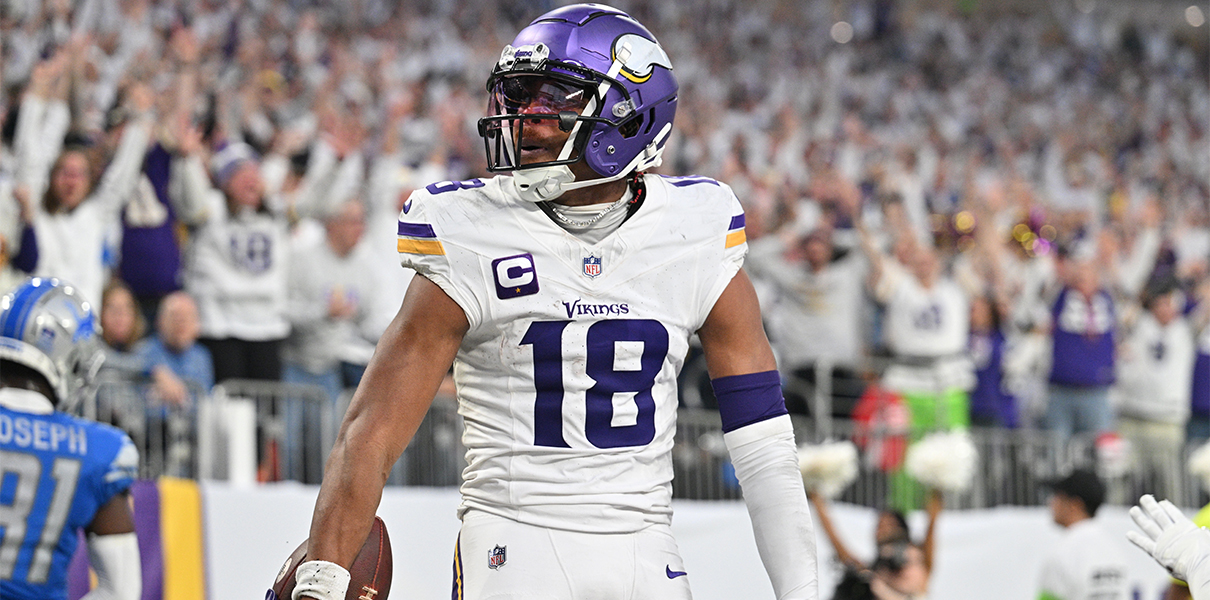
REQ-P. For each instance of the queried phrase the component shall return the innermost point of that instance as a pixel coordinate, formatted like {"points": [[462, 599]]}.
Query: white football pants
{"points": [[501, 559]]}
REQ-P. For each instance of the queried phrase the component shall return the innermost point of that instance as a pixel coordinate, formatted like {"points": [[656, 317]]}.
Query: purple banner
{"points": [[147, 528]]}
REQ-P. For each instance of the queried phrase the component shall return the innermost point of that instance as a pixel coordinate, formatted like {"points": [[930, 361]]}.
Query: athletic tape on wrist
{"points": [[749, 398], [321, 580]]}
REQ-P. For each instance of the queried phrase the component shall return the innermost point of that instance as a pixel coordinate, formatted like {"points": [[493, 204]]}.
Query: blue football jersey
{"points": [[56, 471]]}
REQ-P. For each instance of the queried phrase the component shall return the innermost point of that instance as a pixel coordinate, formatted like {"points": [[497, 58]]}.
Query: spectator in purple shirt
{"points": [[1083, 328], [151, 251], [151, 255], [991, 406]]}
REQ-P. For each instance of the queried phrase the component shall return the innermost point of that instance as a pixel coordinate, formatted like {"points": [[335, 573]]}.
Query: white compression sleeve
{"points": [[766, 464], [115, 558], [1199, 581]]}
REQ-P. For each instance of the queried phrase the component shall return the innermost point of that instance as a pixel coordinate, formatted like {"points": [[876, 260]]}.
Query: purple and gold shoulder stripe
{"points": [[419, 238], [735, 233]]}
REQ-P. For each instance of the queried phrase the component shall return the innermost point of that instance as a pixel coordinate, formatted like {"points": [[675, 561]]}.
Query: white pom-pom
{"points": [[943, 461], [828, 468], [1199, 464]]}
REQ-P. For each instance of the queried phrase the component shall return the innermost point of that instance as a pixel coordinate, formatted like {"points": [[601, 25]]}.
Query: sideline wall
{"points": [[982, 555]]}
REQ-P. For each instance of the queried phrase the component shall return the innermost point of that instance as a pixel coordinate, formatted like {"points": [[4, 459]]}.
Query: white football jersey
{"points": [[927, 322], [567, 376]]}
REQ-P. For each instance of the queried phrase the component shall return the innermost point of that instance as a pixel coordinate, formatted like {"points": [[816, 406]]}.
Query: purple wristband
{"points": [[749, 398]]}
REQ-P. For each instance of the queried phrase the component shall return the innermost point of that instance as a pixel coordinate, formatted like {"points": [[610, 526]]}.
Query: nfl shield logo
{"points": [[496, 557], [592, 266]]}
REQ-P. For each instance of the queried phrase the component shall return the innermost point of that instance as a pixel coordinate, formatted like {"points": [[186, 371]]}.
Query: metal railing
{"points": [[1013, 467], [286, 431], [435, 457], [247, 430], [267, 431], [165, 435]]}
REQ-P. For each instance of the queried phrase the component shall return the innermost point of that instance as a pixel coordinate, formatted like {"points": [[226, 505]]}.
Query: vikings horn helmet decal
{"points": [[602, 76]]}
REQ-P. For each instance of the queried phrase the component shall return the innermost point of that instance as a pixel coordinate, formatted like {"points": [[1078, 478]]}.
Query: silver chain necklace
{"points": [[570, 222]]}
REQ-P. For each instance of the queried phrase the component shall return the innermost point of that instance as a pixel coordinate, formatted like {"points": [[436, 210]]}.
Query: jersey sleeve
{"points": [[734, 243], [424, 249], [121, 472]]}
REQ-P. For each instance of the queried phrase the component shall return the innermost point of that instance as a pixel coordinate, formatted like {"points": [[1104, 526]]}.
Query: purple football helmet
{"points": [[597, 72]]}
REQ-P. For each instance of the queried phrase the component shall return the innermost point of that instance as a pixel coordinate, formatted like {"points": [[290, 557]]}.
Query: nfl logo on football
{"points": [[592, 266], [496, 557]]}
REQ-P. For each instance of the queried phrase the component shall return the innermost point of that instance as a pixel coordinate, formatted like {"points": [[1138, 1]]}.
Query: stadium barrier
{"points": [[266, 431], [255, 431], [165, 435], [1014, 465], [247, 431], [215, 540]]}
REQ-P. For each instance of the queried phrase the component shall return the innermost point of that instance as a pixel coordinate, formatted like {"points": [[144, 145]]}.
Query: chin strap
{"points": [[542, 184], [548, 183]]}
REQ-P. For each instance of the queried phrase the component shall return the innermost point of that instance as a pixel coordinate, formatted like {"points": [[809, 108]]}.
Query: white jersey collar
{"points": [[615, 247], [26, 401]]}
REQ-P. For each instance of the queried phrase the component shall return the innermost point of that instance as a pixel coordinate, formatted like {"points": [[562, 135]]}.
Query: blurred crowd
{"points": [[996, 215]]}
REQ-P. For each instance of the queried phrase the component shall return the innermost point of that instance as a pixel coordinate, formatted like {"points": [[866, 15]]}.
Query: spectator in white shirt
{"points": [[236, 263], [926, 328], [814, 308], [1155, 386], [330, 286], [73, 219]]}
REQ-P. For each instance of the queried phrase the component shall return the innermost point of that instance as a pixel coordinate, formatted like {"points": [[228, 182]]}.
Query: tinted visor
{"points": [[538, 94], [519, 102]]}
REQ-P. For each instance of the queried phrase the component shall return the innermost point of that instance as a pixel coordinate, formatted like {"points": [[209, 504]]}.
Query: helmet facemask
{"points": [[518, 99]]}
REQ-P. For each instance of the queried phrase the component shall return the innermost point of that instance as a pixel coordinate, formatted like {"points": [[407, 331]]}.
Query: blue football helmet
{"points": [[602, 77], [47, 326]]}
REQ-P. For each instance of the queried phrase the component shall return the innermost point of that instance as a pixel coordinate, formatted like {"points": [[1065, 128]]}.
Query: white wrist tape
{"points": [[321, 580]]}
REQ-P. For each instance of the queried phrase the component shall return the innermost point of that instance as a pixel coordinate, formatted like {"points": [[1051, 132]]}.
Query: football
{"points": [[369, 575]]}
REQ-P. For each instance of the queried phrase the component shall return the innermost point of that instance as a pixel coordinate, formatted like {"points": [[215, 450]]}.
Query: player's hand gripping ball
{"points": [[369, 575]]}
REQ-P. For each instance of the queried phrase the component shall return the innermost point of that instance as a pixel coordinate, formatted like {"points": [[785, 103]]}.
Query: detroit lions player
{"points": [[565, 296], [58, 473]]}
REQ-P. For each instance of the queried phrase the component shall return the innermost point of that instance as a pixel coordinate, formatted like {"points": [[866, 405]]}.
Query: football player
{"points": [[59, 473], [565, 295]]}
